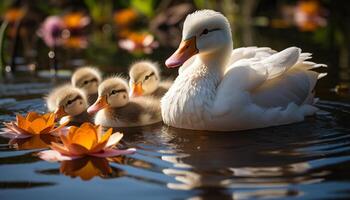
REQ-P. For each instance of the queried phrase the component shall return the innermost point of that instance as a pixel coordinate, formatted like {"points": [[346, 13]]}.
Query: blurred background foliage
{"points": [[64, 34]]}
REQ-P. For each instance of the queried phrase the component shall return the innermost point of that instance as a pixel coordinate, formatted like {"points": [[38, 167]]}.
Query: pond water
{"points": [[305, 160]]}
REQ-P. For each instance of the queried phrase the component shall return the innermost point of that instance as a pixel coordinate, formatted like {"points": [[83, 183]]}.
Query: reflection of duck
{"points": [[87, 79], [145, 80], [68, 101], [252, 93], [115, 109], [201, 159], [86, 168]]}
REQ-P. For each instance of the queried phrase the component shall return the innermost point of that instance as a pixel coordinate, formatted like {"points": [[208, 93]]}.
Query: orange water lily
{"points": [[125, 17], [138, 42], [14, 14], [33, 124], [76, 20], [86, 140]]}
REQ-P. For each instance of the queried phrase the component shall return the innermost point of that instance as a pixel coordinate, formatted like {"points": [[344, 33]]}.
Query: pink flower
{"points": [[50, 30]]}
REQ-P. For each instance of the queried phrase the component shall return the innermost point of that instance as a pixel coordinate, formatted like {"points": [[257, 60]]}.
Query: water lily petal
{"points": [[113, 152], [71, 132], [50, 120], [21, 121], [60, 127], [16, 129], [114, 139], [32, 116], [99, 147], [46, 130], [58, 147], [85, 137], [8, 133], [65, 140], [37, 125], [77, 149], [106, 135], [54, 156]]}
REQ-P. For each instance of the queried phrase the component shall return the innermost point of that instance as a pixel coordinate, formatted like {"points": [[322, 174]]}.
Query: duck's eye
{"points": [[205, 31], [69, 102], [85, 82]]}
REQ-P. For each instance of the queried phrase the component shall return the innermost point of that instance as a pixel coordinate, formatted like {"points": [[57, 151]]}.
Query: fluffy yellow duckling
{"points": [[115, 109], [68, 102], [145, 80], [87, 79]]}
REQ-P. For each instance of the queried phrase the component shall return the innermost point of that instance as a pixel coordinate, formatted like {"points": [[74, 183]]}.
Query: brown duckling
{"points": [[70, 103], [115, 109], [145, 80], [87, 79]]}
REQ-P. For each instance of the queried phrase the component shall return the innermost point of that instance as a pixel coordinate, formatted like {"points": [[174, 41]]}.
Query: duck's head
{"points": [[67, 100], [112, 92], [87, 79], [205, 32], [144, 78]]}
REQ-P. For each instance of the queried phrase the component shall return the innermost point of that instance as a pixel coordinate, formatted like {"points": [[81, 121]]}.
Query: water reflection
{"points": [[256, 160], [34, 142], [87, 168]]}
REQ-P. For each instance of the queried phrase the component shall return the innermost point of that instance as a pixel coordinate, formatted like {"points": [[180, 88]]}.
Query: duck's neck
{"points": [[216, 61]]}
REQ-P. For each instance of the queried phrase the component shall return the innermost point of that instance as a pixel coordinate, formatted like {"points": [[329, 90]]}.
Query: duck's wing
{"points": [[250, 52], [274, 81]]}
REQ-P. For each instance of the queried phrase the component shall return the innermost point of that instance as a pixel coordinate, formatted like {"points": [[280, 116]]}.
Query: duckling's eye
{"points": [[149, 76], [114, 92], [69, 102], [205, 31], [85, 82]]}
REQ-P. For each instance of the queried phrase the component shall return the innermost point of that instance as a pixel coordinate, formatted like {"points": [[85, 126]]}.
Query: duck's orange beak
{"points": [[100, 104], [185, 51], [136, 89], [59, 112]]}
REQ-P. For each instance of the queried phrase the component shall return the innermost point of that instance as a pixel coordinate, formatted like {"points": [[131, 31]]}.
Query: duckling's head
{"points": [[204, 32], [112, 92], [144, 78], [87, 79], [67, 100]]}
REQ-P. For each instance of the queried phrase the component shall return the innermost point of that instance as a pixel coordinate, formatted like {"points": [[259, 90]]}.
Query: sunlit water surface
{"points": [[310, 159]]}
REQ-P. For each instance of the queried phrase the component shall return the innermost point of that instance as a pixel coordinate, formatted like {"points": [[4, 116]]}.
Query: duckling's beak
{"points": [[100, 104], [136, 89], [185, 51], [59, 112]]}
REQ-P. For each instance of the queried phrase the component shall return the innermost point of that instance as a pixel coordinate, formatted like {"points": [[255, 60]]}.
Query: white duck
{"points": [[145, 80], [216, 91]]}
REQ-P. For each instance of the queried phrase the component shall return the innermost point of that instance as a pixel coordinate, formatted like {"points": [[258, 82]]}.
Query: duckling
{"points": [[115, 109], [87, 79], [68, 102], [145, 80]]}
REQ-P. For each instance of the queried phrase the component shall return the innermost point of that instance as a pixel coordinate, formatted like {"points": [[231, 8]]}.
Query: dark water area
{"points": [[308, 160]]}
